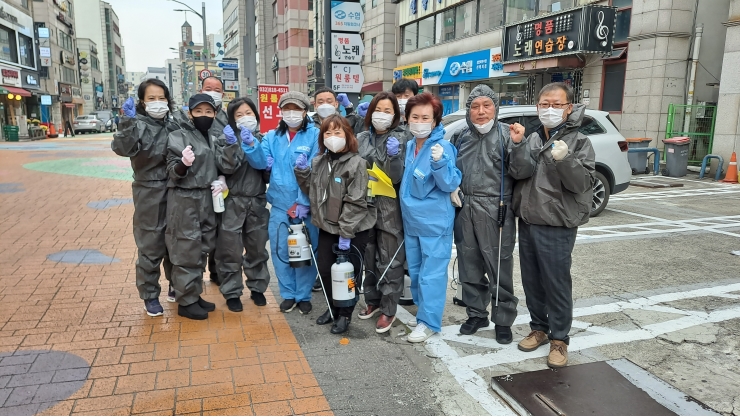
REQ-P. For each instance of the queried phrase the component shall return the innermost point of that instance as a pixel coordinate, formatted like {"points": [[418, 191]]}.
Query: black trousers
{"points": [[545, 259], [325, 258]]}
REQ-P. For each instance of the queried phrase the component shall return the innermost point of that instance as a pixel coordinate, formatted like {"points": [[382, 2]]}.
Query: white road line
{"points": [[653, 195], [659, 227]]}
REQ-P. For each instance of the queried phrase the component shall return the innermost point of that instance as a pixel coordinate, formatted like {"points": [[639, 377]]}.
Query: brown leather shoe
{"points": [[384, 323], [558, 356], [535, 339], [368, 312]]}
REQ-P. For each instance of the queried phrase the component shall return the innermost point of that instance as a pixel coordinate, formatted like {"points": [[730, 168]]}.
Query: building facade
{"points": [[90, 74], [174, 80], [379, 35]]}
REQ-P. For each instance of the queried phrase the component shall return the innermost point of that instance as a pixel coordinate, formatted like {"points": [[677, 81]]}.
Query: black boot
{"points": [[341, 325], [192, 311], [503, 335], [326, 318], [234, 304], [473, 324], [205, 305], [258, 298]]}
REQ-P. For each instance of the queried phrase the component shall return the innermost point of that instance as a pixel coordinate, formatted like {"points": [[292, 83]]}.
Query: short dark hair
{"points": [[324, 90], [374, 104], [424, 99], [214, 78], [234, 106], [336, 120], [141, 92], [557, 86], [400, 86]]}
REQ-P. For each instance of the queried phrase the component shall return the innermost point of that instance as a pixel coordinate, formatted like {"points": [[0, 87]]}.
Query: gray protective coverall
{"points": [[191, 221], [243, 226], [144, 140], [480, 158], [354, 120], [387, 235]]}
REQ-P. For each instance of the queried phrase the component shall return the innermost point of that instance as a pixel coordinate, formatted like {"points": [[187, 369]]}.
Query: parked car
{"points": [[613, 171], [89, 123], [108, 119]]}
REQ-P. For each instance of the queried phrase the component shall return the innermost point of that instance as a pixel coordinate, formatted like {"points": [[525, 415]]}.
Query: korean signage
{"points": [[11, 76], [412, 72], [479, 65], [346, 16], [269, 97], [347, 47], [231, 85], [65, 92], [229, 75], [589, 29], [228, 65], [347, 78]]}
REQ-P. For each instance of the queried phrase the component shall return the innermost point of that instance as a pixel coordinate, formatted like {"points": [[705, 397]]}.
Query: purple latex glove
{"points": [[270, 161], [129, 108], [391, 146], [230, 135], [362, 109], [247, 137], [344, 100], [301, 162], [302, 211], [344, 243]]}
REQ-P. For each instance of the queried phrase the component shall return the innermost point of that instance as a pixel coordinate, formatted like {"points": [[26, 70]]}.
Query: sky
{"points": [[150, 27]]}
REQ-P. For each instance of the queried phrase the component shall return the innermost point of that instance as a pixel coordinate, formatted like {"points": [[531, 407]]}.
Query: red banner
{"points": [[269, 96]]}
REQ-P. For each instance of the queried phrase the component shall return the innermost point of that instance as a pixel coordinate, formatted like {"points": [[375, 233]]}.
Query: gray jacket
{"points": [[549, 192], [373, 150], [144, 140], [245, 180], [337, 189]]}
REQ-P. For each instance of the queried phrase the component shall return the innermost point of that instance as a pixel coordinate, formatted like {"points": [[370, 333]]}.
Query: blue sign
{"points": [[228, 65], [449, 91], [46, 100], [346, 16], [459, 68], [413, 6]]}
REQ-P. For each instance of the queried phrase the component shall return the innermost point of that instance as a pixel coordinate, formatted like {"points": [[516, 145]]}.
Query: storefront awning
{"points": [[373, 87], [17, 91], [70, 105], [77, 100]]}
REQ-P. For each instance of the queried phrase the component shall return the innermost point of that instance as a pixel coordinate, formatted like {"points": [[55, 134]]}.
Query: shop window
{"points": [[517, 10], [426, 32], [622, 30], [465, 20], [445, 26], [490, 14], [612, 89], [552, 6], [310, 38], [409, 37], [26, 50], [8, 49]]}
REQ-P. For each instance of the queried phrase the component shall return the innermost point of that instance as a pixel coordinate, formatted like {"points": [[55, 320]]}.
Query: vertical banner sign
{"points": [[269, 96], [346, 47]]}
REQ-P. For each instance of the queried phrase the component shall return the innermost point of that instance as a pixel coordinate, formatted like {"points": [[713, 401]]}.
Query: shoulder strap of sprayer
{"points": [[502, 206]]}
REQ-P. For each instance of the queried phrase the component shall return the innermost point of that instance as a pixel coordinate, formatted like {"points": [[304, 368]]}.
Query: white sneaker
{"points": [[412, 322], [420, 333]]}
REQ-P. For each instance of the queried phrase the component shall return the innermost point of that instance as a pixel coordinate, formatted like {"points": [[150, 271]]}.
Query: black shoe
{"points": [[215, 280], [258, 298], [473, 324], [316, 286], [287, 306], [503, 335], [304, 307], [325, 318], [341, 325], [193, 312], [205, 305], [234, 304]]}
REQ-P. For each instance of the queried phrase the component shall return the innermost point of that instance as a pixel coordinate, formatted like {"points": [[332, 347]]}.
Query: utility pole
{"points": [[327, 44], [249, 65], [205, 38]]}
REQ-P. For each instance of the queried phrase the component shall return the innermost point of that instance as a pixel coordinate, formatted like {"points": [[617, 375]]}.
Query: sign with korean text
{"points": [[229, 75], [347, 47], [478, 65], [269, 97], [589, 29], [412, 72], [228, 65], [45, 52], [11, 76], [45, 61], [347, 78], [231, 85], [346, 16]]}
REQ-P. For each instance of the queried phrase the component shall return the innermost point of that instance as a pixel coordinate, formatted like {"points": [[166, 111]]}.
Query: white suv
{"points": [[613, 171]]}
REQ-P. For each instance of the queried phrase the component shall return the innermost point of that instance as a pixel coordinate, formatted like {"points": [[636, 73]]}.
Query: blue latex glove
{"points": [[362, 109], [270, 161], [344, 243], [230, 135], [391, 146], [344, 100], [247, 137], [301, 162], [129, 108], [301, 211]]}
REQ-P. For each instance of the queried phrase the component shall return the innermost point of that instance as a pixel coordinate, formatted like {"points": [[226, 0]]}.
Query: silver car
{"points": [[613, 172], [84, 124]]}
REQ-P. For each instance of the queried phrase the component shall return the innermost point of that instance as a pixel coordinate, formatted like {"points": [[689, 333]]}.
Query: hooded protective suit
{"points": [[243, 224], [354, 120], [144, 140], [387, 235], [191, 221], [484, 162]]}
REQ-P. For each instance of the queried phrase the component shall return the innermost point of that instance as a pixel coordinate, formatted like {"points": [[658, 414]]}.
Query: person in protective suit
{"points": [[336, 184], [483, 159], [296, 135], [243, 225], [326, 103], [193, 163], [142, 137], [380, 145]]}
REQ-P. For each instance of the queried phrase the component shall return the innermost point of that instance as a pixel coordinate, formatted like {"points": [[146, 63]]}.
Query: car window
{"points": [[451, 118], [454, 127], [591, 127], [612, 122]]}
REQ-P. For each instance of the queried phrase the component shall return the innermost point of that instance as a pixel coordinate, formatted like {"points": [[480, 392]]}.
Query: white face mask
{"points": [[484, 128], [382, 121], [326, 110], [335, 143], [420, 130], [293, 118], [402, 105], [157, 109], [216, 96], [551, 117], [247, 122]]}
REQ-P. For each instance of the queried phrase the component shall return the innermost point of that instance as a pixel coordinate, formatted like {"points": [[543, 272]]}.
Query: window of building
{"points": [[426, 32], [552, 6], [373, 49], [374, 4], [65, 41], [310, 4], [68, 75], [612, 89], [490, 14], [94, 62], [517, 10], [231, 19], [25, 47], [624, 17], [286, 39], [275, 42], [445, 26], [310, 38], [8, 51], [409, 37], [465, 19]]}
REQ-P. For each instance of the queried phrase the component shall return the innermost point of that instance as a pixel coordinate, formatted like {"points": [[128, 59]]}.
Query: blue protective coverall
{"points": [[295, 283], [428, 219]]}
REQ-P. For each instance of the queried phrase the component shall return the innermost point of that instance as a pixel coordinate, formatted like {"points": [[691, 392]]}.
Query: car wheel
{"points": [[601, 194]]}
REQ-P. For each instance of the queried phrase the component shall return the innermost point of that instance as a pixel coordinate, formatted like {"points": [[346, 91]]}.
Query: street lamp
{"points": [[202, 15]]}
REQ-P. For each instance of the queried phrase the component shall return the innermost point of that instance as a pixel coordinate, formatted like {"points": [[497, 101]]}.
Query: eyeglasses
{"points": [[547, 105]]}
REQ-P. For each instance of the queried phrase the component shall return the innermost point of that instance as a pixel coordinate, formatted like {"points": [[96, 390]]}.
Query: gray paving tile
{"points": [[4, 394], [21, 396], [30, 352], [14, 369], [37, 378], [4, 381], [65, 375], [56, 391], [21, 410], [54, 361], [17, 360]]}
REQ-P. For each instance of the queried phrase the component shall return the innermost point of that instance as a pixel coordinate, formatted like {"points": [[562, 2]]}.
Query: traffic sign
{"points": [[347, 78], [346, 16], [228, 65], [204, 73], [347, 47]]}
